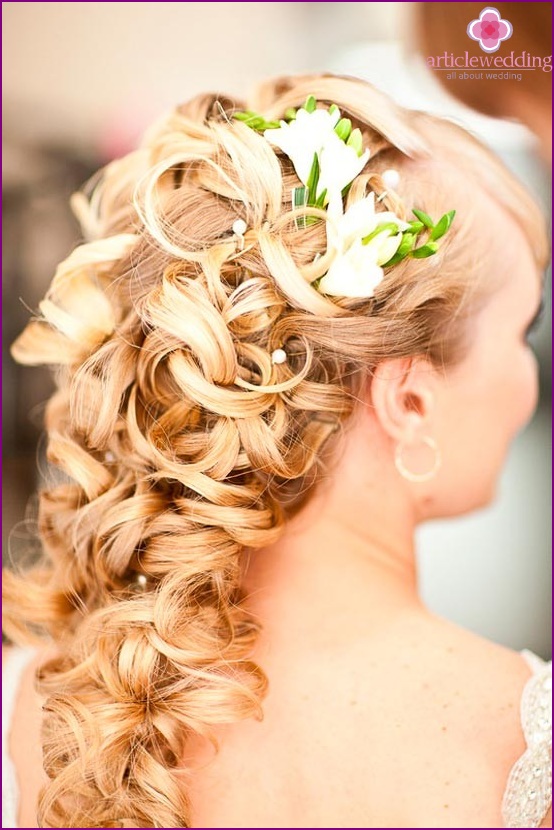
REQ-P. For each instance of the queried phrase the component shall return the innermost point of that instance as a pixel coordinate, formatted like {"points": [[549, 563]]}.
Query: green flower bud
{"points": [[355, 141], [423, 217], [426, 250], [343, 128], [442, 225]]}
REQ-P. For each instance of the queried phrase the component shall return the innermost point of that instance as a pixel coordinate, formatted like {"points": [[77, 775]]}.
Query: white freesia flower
{"points": [[314, 133], [339, 165], [385, 246], [359, 221], [356, 268], [303, 137], [354, 273]]}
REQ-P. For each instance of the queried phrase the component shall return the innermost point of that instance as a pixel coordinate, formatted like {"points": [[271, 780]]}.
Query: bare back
{"points": [[418, 728], [417, 731]]}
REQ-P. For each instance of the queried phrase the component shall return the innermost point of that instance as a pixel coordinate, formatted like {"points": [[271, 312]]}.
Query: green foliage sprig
{"points": [[422, 223]]}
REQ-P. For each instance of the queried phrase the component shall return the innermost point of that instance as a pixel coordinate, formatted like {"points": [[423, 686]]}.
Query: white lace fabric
{"points": [[528, 793]]}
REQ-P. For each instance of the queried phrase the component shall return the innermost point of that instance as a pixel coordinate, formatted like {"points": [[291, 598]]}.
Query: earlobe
{"points": [[402, 396]]}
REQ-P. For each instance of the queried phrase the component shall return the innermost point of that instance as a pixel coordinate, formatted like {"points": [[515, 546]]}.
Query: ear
{"points": [[402, 395]]}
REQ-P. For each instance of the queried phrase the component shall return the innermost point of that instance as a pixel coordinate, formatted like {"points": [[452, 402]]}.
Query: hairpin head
{"points": [[391, 178], [141, 582], [278, 356], [239, 229]]}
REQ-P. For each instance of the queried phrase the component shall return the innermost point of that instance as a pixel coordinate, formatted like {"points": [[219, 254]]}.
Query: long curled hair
{"points": [[179, 443]]}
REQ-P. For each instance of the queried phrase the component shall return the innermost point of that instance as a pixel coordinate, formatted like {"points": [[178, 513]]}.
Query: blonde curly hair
{"points": [[181, 442]]}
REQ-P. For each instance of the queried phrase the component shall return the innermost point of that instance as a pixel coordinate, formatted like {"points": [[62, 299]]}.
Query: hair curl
{"points": [[182, 443]]}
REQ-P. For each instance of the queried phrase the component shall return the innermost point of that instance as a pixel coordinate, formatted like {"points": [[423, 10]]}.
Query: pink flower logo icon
{"points": [[490, 29]]}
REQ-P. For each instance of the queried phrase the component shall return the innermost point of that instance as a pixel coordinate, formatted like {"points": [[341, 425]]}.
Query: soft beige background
{"points": [[80, 82], [71, 66]]}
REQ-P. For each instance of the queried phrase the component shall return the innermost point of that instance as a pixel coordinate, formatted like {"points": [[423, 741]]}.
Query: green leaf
{"points": [[310, 104], [253, 120], [300, 199], [244, 116], [386, 226], [355, 141], [408, 242], [426, 250], [394, 260], [442, 225], [313, 178], [311, 220], [416, 227], [290, 114], [320, 201], [299, 196], [423, 217], [343, 128]]}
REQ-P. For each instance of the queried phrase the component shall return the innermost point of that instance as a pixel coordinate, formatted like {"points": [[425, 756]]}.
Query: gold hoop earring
{"points": [[400, 466]]}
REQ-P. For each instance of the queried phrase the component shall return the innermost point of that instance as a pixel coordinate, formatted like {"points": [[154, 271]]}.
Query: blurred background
{"points": [[82, 80]]}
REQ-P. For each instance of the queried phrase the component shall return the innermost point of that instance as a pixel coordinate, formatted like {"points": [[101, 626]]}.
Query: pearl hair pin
{"points": [[239, 229], [391, 178], [278, 356]]}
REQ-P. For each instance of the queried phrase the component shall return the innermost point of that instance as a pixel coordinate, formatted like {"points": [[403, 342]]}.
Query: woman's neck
{"points": [[348, 558]]}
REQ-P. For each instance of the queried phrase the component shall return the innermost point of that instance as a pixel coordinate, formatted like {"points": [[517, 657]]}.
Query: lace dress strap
{"points": [[14, 666], [528, 793]]}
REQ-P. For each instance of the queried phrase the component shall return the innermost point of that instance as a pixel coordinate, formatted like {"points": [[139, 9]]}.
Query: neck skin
{"points": [[346, 562]]}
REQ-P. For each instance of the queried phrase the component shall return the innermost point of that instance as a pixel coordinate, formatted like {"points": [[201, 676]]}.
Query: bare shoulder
{"points": [[482, 669], [419, 724], [446, 716], [444, 667], [25, 734]]}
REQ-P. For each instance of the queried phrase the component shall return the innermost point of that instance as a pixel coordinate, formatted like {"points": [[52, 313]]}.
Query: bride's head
{"points": [[210, 368]]}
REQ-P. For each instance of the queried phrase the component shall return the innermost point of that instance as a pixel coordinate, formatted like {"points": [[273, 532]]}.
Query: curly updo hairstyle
{"points": [[180, 443]]}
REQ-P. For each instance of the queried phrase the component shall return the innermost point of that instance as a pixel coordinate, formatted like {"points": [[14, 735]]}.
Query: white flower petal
{"points": [[339, 165], [354, 274], [292, 144], [385, 246], [388, 216], [359, 220], [303, 137], [318, 122]]}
